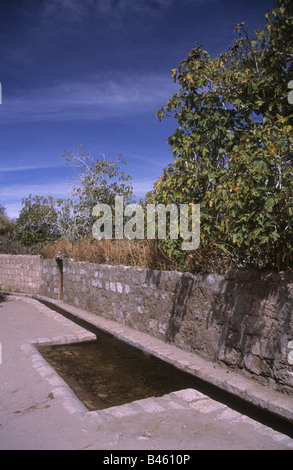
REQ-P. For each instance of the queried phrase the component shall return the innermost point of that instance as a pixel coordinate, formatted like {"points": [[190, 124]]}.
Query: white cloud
{"points": [[23, 190], [93, 99], [74, 8], [11, 196], [141, 187], [78, 10], [8, 169]]}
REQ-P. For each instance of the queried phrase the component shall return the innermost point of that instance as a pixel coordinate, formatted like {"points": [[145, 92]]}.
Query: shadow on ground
{"points": [[3, 298]]}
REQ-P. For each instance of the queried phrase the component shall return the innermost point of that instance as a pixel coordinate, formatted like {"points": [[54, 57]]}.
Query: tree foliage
{"points": [[2, 210], [233, 145], [44, 219], [6, 225], [98, 181], [36, 222]]}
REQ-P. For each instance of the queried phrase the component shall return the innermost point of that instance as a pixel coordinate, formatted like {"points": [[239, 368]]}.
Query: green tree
{"points": [[233, 146], [45, 219], [37, 221], [98, 181], [6, 224]]}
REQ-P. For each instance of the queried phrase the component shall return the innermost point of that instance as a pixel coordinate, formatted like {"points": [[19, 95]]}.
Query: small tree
{"points": [[6, 224], [44, 219], [98, 181], [37, 221]]}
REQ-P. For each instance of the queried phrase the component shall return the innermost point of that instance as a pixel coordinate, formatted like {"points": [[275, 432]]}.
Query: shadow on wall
{"points": [[182, 291], [244, 319], [254, 311]]}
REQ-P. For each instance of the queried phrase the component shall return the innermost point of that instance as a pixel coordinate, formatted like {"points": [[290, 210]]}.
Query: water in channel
{"points": [[109, 372]]}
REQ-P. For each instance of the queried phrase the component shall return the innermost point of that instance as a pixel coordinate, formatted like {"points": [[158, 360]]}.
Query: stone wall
{"points": [[243, 319], [20, 273]]}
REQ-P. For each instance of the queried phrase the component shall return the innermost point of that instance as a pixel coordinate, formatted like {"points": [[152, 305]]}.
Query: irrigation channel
{"points": [[110, 372]]}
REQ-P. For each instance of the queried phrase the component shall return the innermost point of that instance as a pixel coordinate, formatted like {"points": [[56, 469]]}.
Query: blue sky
{"points": [[94, 72]]}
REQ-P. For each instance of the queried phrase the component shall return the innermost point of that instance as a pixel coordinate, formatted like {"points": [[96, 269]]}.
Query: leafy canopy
{"points": [[232, 148]]}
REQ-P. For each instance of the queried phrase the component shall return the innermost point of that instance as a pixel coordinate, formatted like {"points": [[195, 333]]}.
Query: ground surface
{"points": [[39, 411]]}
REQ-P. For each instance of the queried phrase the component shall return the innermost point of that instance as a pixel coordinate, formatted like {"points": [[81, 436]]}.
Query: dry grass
{"points": [[146, 253]]}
